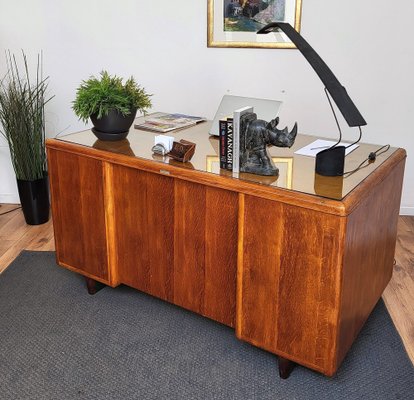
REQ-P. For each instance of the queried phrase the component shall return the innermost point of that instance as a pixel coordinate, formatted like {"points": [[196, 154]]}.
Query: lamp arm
{"points": [[339, 94]]}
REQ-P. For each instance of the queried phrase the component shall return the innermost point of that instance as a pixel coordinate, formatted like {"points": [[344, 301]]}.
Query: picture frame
{"points": [[284, 164], [229, 23], [213, 164]]}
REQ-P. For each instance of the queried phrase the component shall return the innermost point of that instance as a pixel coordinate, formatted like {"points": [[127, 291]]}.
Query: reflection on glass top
{"points": [[296, 172]]}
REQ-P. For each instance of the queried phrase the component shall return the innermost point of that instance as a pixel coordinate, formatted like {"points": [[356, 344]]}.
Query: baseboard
{"points": [[407, 211], [9, 198]]}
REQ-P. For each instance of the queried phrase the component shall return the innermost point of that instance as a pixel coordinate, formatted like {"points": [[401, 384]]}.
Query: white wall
{"points": [[163, 44]]}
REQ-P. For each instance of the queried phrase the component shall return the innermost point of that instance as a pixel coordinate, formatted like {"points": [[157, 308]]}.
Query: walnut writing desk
{"points": [[295, 264]]}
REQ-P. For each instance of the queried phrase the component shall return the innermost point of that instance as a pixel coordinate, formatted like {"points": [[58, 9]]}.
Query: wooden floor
{"points": [[15, 236]]}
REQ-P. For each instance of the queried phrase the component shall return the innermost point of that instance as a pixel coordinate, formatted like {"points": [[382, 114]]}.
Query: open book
{"points": [[164, 122]]}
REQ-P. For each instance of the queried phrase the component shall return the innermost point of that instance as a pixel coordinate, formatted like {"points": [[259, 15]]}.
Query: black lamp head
{"points": [[328, 162]]}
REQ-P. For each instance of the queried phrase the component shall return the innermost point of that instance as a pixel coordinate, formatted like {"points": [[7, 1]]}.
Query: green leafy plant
{"points": [[22, 116], [101, 95]]}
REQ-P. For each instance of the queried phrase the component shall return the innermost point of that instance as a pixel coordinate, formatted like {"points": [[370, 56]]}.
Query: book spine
{"points": [[236, 142], [230, 144], [223, 143]]}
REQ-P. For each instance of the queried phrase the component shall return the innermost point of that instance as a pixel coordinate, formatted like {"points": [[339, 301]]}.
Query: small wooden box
{"points": [[182, 150]]}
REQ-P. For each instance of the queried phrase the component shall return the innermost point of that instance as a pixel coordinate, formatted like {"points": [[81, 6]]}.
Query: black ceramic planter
{"points": [[113, 126], [34, 197]]}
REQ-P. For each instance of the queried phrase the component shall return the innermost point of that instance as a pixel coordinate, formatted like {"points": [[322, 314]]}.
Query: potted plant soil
{"points": [[110, 104], [22, 116]]}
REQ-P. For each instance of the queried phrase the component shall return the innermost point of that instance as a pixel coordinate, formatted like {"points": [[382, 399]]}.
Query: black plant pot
{"points": [[34, 197], [113, 126]]}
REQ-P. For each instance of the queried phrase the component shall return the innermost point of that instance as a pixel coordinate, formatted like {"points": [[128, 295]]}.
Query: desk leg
{"points": [[285, 367], [93, 286]]}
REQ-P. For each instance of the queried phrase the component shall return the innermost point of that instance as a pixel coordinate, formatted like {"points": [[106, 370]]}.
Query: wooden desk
{"points": [[295, 265]]}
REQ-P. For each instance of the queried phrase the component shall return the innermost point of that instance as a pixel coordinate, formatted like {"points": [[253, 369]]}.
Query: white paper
{"points": [[318, 145], [166, 141]]}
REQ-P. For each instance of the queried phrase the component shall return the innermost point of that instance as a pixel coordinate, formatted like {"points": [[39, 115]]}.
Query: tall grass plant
{"points": [[22, 116]]}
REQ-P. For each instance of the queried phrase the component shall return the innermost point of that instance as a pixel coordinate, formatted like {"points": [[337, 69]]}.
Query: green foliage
{"points": [[101, 95], [22, 115]]}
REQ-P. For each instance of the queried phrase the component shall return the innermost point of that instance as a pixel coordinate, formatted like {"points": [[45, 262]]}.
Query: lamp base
{"points": [[330, 162]]}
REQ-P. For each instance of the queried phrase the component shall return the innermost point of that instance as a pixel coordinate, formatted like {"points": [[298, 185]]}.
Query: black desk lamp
{"points": [[329, 162]]}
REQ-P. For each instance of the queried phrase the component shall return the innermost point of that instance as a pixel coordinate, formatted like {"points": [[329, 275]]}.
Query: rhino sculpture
{"points": [[255, 136]]}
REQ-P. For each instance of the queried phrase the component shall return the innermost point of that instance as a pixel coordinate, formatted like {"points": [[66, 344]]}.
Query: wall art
{"points": [[234, 23]]}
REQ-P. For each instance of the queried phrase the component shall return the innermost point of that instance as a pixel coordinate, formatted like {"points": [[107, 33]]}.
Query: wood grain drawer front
{"points": [[176, 240], [289, 281], [205, 250], [143, 207], [78, 212]]}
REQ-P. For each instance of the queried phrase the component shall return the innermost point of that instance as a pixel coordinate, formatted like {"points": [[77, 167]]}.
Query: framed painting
{"points": [[234, 23]]}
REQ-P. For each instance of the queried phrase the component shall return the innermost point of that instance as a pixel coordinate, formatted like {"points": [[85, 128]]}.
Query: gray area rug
{"points": [[58, 342]]}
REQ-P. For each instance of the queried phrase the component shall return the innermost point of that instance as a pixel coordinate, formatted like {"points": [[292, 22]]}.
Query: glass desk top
{"points": [[296, 172]]}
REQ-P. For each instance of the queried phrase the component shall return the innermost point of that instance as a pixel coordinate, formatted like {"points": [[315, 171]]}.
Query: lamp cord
{"points": [[371, 158]]}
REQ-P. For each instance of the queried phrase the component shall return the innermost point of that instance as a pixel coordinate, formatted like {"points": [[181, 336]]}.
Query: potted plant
{"points": [[22, 116], [110, 104]]}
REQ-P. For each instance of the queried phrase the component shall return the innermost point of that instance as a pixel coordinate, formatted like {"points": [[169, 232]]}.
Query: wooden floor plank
{"points": [[7, 212], [7, 207], [408, 221], [13, 225], [16, 236], [5, 245], [43, 238]]}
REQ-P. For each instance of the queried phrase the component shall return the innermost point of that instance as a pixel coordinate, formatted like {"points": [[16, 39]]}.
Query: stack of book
{"points": [[230, 139]]}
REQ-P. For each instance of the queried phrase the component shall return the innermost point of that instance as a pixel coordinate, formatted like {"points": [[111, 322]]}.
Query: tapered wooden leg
{"points": [[285, 367], [93, 286]]}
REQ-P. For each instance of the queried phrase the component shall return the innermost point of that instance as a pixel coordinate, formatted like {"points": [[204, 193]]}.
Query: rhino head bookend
{"points": [[255, 136]]}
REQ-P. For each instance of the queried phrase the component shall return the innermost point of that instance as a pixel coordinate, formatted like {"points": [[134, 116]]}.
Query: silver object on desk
{"points": [[159, 149]]}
